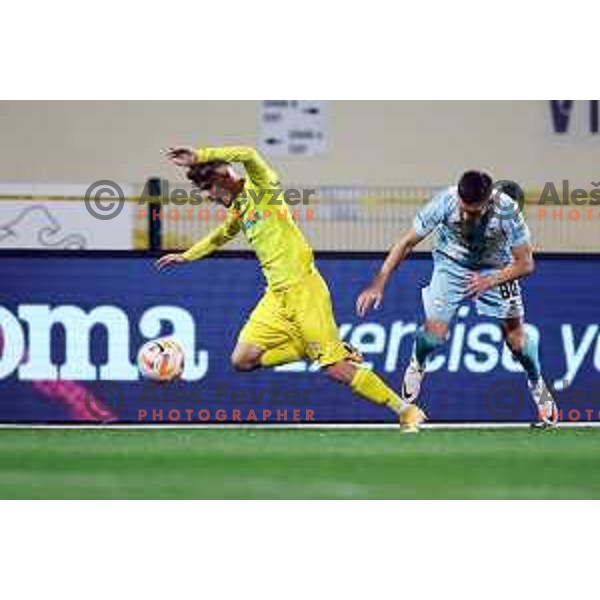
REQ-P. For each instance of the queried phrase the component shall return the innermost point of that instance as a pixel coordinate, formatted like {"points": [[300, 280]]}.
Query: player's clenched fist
{"points": [[369, 297], [169, 260]]}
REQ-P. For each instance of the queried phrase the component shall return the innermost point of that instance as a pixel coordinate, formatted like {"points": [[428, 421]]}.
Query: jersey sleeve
{"points": [[216, 238], [259, 171], [431, 215], [518, 232]]}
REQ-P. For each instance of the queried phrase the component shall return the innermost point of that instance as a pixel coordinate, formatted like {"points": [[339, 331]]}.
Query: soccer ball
{"points": [[161, 360]]}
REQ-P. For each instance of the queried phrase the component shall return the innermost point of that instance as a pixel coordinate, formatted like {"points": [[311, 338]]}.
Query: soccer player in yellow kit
{"points": [[294, 319]]}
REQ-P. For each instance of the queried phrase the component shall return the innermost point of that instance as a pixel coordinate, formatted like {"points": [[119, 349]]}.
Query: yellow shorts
{"points": [[301, 315]]}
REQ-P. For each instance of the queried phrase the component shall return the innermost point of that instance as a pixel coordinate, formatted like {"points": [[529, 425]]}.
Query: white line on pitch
{"points": [[286, 426]]}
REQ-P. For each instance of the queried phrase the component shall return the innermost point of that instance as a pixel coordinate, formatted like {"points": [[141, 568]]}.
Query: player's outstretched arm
{"points": [[372, 296], [259, 171], [214, 240], [169, 260], [256, 166]]}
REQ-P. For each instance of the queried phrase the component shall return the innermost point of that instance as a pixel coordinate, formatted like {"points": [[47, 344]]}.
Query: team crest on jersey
{"points": [[252, 220]]}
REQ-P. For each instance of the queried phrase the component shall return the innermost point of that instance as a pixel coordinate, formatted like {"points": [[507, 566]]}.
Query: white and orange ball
{"points": [[161, 360]]}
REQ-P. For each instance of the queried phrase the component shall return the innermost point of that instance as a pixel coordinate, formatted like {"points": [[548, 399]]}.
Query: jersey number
{"points": [[508, 290]]}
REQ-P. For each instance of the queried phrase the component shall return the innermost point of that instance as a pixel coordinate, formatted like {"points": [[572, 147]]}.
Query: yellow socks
{"points": [[281, 355], [370, 386], [365, 383]]}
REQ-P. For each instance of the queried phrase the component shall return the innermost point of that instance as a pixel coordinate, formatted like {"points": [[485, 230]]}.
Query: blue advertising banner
{"points": [[71, 326]]}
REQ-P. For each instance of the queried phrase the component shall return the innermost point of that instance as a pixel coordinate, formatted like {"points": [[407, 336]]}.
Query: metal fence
{"points": [[345, 218], [339, 218]]}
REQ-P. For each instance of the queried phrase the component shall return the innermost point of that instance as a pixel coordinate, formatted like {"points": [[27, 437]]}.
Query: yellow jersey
{"points": [[263, 215]]}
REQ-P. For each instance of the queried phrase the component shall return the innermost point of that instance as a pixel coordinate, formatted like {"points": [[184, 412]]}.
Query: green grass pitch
{"points": [[246, 463]]}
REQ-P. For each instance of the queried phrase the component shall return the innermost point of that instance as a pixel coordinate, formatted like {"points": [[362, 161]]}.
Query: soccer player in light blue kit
{"points": [[481, 252]]}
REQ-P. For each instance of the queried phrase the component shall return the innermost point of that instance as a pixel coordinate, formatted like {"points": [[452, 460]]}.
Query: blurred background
{"points": [[369, 165]]}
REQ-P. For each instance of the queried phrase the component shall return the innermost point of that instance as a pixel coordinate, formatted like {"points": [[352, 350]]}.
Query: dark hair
{"points": [[203, 174], [474, 187]]}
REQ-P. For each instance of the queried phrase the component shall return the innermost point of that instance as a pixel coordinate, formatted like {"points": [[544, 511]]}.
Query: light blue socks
{"points": [[529, 358], [425, 344]]}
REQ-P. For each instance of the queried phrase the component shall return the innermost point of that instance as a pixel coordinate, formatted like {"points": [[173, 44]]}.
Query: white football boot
{"points": [[411, 383], [412, 416], [546, 406]]}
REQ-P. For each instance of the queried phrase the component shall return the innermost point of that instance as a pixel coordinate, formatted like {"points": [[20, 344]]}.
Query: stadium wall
{"points": [[366, 142], [71, 324]]}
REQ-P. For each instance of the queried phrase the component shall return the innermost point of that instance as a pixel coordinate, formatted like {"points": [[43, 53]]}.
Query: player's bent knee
{"points": [[242, 363], [438, 329], [514, 337], [515, 340]]}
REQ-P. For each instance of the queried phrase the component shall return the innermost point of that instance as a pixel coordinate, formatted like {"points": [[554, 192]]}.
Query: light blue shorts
{"points": [[446, 292]]}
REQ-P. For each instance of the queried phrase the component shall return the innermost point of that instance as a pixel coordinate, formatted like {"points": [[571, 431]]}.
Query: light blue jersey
{"points": [[475, 246], [460, 248]]}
